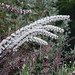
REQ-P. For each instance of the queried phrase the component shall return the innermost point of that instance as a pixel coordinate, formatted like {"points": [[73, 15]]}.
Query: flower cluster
{"points": [[14, 42], [50, 27], [48, 19], [29, 32], [8, 7], [32, 39], [44, 21]]}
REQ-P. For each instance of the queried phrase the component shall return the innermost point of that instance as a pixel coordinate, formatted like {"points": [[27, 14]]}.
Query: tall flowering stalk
{"points": [[28, 32], [8, 7]]}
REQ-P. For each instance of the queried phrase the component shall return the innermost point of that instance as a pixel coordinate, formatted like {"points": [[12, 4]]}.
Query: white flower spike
{"points": [[28, 33]]}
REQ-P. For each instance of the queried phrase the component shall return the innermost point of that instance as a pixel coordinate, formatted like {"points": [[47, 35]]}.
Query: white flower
{"points": [[32, 33], [32, 39], [49, 27], [4, 41], [2, 48], [0, 51], [38, 40], [42, 22], [28, 32]]}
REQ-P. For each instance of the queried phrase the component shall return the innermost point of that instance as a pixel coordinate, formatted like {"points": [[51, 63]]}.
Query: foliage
{"points": [[68, 7]]}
